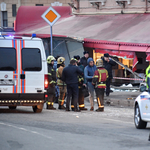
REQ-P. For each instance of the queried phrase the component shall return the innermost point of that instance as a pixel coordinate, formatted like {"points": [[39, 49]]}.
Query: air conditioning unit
{"points": [[123, 1], [93, 2]]}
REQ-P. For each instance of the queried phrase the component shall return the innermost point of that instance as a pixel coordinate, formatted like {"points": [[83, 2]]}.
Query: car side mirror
{"points": [[142, 88]]}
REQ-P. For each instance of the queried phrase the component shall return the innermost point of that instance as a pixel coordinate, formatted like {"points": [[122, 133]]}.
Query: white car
{"points": [[142, 110]]}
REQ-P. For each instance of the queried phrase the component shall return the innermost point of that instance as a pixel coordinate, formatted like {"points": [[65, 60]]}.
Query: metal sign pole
{"points": [[51, 40]]}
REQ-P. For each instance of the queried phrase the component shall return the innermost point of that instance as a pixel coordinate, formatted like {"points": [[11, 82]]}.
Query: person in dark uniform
{"points": [[84, 59], [70, 77], [52, 82], [81, 83], [99, 81], [108, 63]]}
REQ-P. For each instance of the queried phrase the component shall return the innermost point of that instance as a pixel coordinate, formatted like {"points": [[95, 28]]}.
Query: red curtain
{"points": [[148, 57], [135, 61]]}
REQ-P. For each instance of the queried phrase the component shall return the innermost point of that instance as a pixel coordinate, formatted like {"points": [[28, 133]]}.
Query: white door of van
{"points": [[31, 67], [9, 83]]}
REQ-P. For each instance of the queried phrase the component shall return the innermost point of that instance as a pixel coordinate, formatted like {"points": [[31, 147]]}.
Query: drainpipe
{"points": [[146, 5], [19, 3], [78, 6]]}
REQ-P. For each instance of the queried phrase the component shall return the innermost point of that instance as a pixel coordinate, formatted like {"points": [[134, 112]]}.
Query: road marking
{"points": [[23, 129], [118, 121]]}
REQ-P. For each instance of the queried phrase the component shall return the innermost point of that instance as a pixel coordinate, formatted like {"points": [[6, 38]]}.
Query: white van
{"points": [[23, 72]]}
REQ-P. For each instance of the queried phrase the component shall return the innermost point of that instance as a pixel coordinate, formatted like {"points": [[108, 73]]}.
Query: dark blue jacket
{"points": [[89, 71], [83, 61], [70, 74], [108, 66]]}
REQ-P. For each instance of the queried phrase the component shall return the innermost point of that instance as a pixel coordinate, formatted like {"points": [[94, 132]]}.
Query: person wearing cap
{"points": [[52, 82], [99, 81], [84, 59], [81, 83], [108, 63], [70, 77], [88, 74]]}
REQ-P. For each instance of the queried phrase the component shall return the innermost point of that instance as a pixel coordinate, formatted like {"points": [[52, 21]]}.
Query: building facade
{"points": [[9, 8], [111, 6]]}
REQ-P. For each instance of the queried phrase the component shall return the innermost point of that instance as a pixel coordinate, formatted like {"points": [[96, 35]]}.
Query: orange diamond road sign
{"points": [[51, 16]]}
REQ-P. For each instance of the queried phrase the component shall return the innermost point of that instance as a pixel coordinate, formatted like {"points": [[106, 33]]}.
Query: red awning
{"points": [[96, 30], [119, 33], [29, 20]]}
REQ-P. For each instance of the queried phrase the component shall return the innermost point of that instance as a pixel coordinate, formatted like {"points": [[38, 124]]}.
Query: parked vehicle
{"points": [[23, 72], [142, 109]]}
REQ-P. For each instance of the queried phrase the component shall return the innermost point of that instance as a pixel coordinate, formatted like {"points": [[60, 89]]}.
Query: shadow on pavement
{"points": [[5, 110]]}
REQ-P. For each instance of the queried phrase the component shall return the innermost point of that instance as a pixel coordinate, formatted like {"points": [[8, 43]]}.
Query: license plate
{"points": [[6, 82]]}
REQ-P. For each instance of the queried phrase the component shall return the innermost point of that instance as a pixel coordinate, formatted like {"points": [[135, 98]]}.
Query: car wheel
{"points": [[38, 108], [139, 123], [12, 107]]}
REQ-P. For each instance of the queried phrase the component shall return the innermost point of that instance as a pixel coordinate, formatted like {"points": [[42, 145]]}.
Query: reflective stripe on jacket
{"points": [[51, 75], [100, 77]]}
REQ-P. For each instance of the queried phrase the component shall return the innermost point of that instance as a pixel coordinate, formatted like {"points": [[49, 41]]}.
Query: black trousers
{"points": [[72, 92], [100, 97], [108, 87], [80, 99], [51, 95]]}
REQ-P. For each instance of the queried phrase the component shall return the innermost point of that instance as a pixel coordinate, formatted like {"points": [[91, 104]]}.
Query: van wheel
{"points": [[38, 108], [139, 123], [12, 107]]}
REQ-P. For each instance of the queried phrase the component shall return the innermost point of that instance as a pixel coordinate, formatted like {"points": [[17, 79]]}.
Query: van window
{"points": [[31, 59], [7, 59]]}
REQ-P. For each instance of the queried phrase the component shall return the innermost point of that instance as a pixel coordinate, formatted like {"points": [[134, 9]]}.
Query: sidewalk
{"points": [[119, 98]]}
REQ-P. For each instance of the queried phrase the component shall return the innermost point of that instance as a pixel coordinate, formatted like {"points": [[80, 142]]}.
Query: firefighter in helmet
{"points": [[80, 85], [52, 82], [60, 83], [99, 80]]}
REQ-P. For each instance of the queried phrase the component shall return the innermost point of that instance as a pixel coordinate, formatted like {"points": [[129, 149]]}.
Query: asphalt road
{"points": [[113, 129]]}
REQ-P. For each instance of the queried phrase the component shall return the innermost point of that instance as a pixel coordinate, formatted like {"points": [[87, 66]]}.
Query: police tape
{"points": [[129, 79]]}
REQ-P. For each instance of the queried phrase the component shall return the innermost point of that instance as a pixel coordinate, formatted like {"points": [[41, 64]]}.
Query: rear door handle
{"points": [[22, 76]]}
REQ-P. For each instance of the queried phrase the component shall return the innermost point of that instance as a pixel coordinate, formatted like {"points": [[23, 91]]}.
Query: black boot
{"points": [[51, 107], [67, 109], [100, 109], [83, 108], [72, 109], [62, 107], [77, 110]]}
